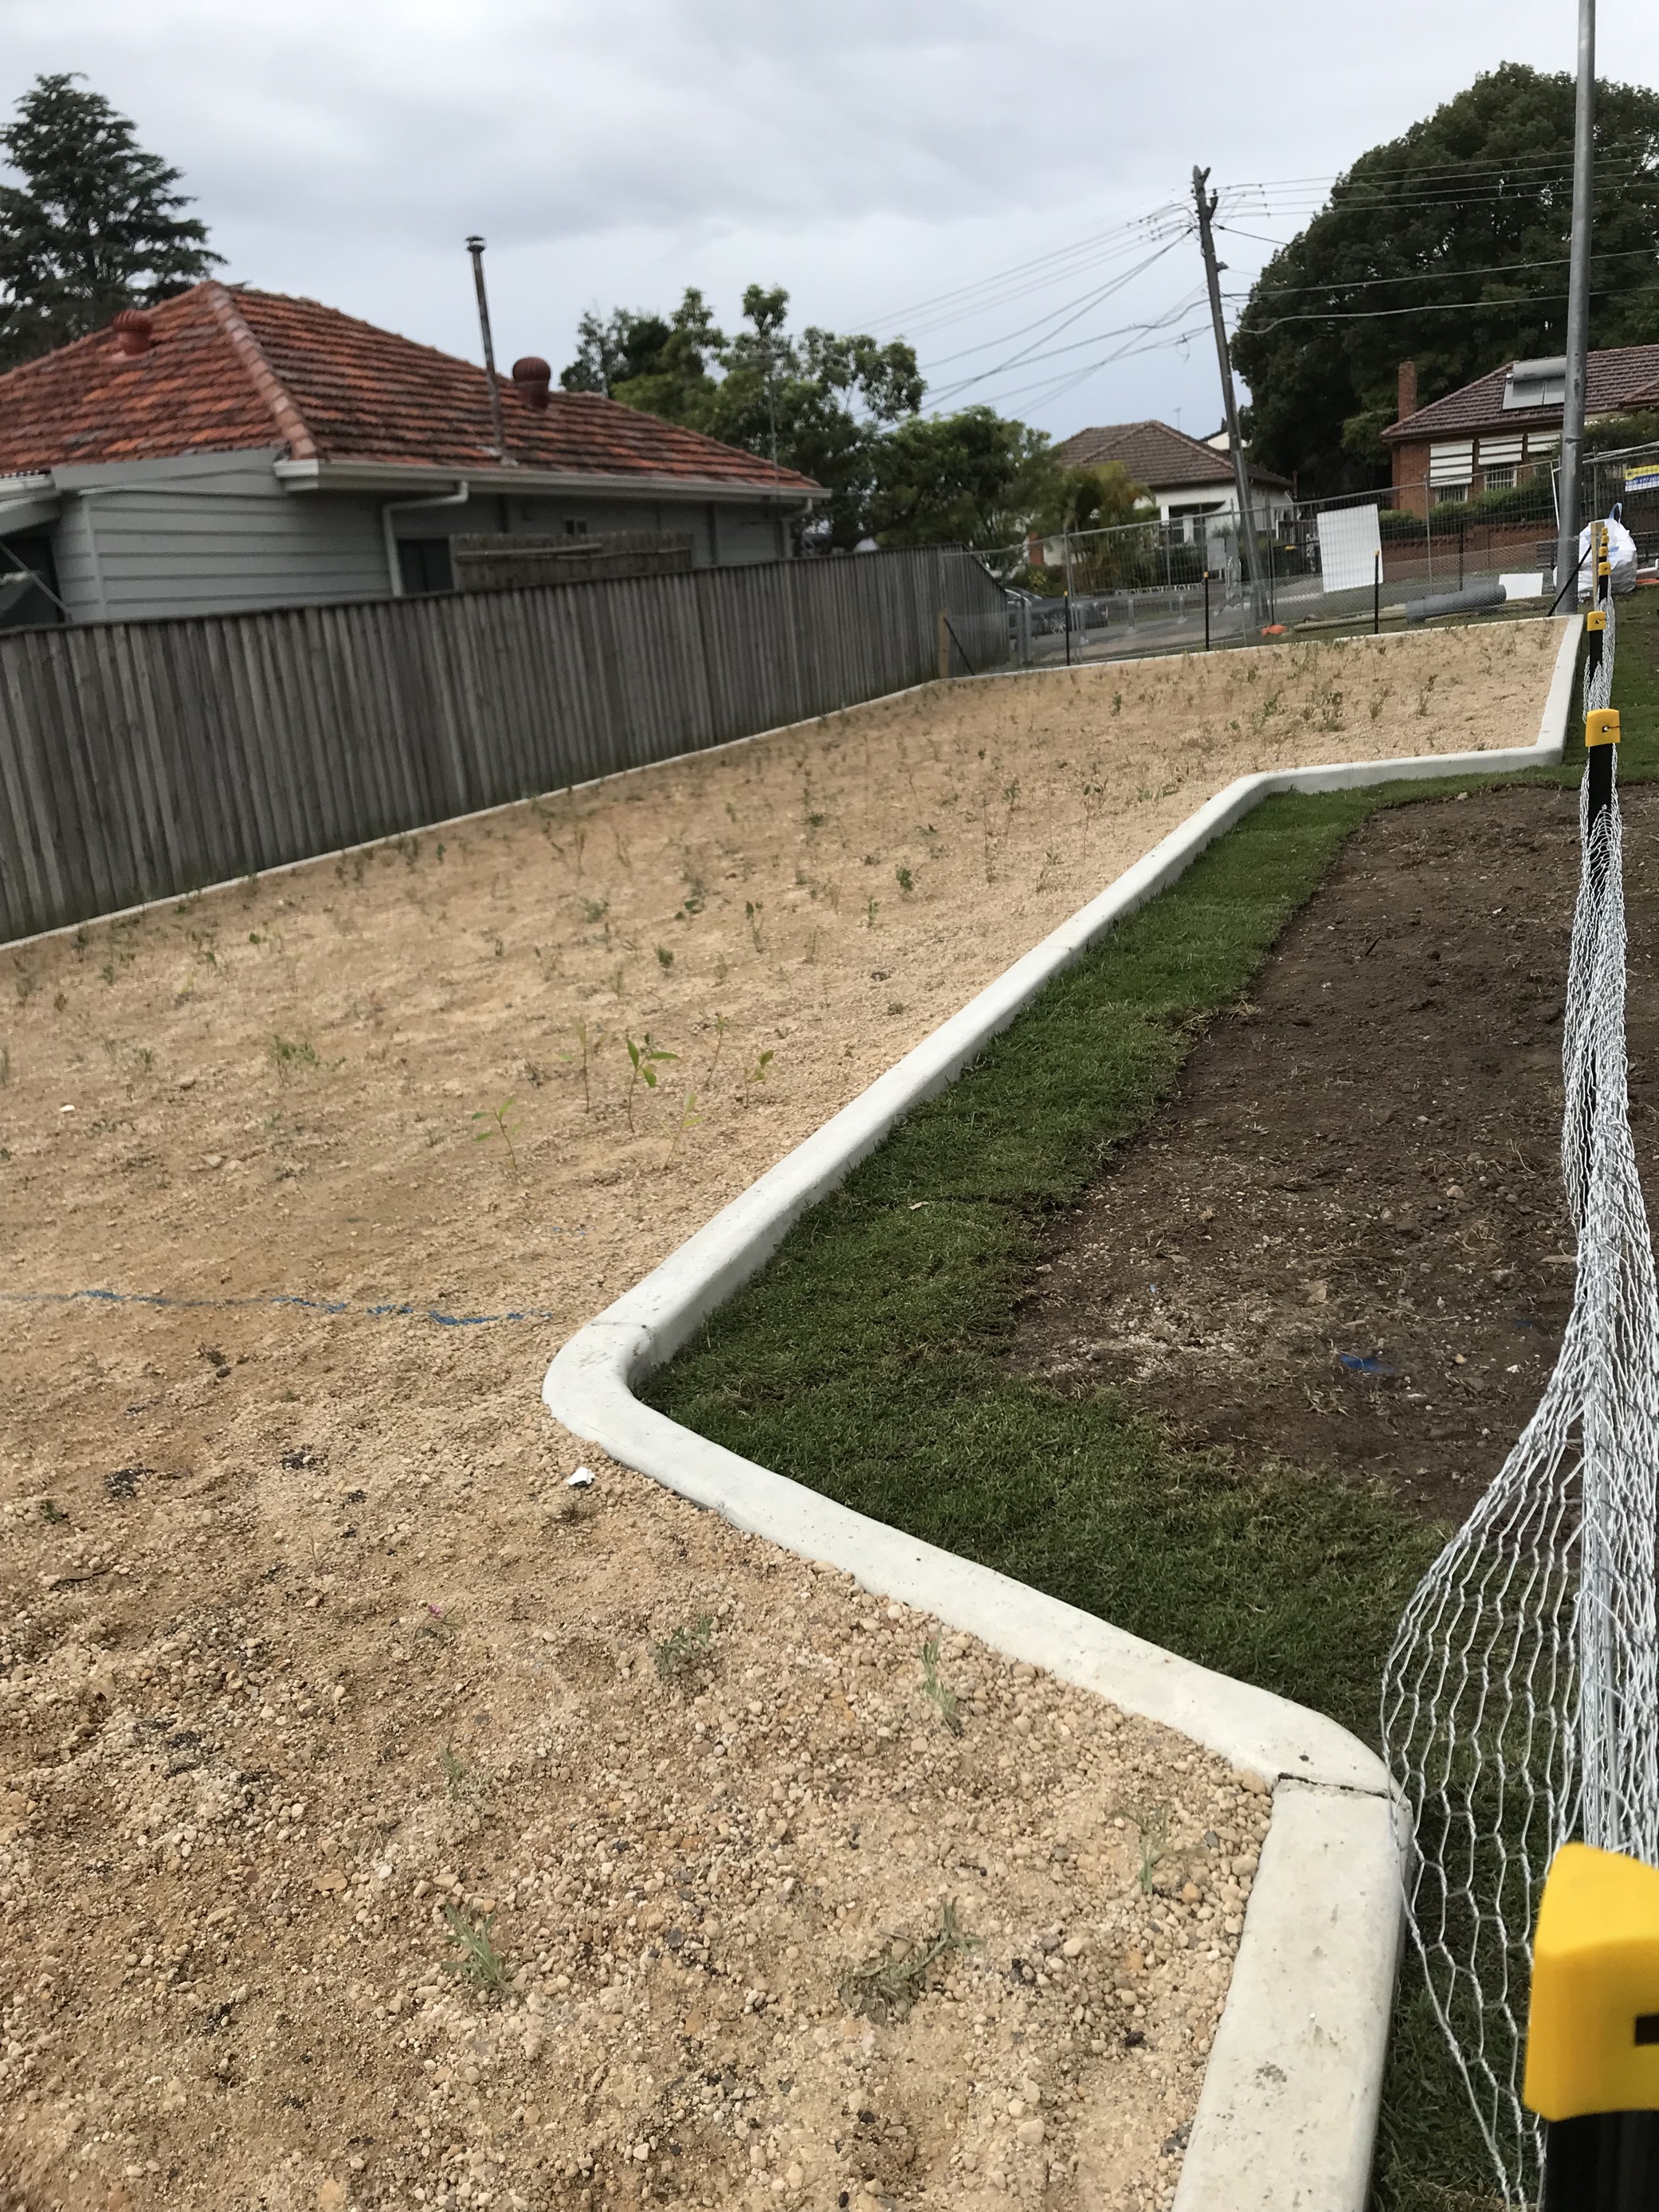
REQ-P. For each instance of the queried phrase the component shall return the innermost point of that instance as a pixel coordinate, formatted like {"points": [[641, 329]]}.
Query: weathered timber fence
{"points": [[143, 760]]}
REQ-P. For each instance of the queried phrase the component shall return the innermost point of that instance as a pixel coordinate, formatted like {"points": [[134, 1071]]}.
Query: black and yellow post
{"points": [[1593, 2032]]}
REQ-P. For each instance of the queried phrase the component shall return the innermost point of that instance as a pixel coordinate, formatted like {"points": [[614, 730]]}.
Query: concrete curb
{"points": [[1288, 2111]]}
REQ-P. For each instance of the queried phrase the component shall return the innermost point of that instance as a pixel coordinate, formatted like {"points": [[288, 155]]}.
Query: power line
{"points": [[1071, 311], [1419, 275]]}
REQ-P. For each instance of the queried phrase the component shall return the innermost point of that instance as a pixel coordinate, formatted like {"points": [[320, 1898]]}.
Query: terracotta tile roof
{"points": [[1155, 455], [1614, 380], [231, 370]]}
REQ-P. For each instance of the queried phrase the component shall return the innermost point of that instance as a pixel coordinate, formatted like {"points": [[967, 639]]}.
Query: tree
{"points": [[1447, 247], [841, 409], [973, 478], [95, 226]]}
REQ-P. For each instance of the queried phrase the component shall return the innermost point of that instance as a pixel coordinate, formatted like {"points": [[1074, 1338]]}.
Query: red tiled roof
{"points": [[1614, 380], [231, 370], [1154, 455]]}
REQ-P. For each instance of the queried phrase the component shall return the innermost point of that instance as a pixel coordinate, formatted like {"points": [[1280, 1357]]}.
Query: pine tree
{"points": [[95, 226]]}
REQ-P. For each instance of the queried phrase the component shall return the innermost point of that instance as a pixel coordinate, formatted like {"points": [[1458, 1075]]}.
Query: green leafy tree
{"points": [[974, 478], [1446, 247], [96, 225]]}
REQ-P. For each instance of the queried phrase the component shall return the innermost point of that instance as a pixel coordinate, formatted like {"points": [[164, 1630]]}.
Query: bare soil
{"points": [[1343, 1243], [305, 1637]]}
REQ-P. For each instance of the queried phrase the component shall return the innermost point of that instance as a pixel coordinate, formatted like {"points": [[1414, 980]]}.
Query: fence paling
{"points": [[142, 760]]}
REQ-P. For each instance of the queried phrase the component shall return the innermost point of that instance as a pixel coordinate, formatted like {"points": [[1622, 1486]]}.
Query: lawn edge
{"points": [[1287, 2113]]}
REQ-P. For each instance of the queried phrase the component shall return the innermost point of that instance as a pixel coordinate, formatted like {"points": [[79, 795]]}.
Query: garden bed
{"points": [[305, 1638], [1343, 1242]]}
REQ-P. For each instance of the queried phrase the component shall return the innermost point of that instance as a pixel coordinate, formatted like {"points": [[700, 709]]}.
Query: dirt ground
{"points": [[304, 1634], [1343, 1243]]}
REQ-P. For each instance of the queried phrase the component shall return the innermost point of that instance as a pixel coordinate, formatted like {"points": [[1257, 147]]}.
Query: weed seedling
{"points": [[455, 1772], [942, 1695], [680, 1651], [664, 957], [751, 913], [906, 882], [719, 1041], [645, 1059], [51, 1513], [502, 1122], [1154, 1830], [871, 910], [886, 1986], [480, 1962]]}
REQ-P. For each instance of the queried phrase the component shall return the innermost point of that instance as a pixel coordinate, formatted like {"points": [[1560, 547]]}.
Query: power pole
{"points": [[1573, 411], [475, 246], [1206, 204]]}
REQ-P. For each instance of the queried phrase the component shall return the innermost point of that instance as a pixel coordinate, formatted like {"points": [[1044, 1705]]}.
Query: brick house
{"points": [[1504, 427], [235, 449]]}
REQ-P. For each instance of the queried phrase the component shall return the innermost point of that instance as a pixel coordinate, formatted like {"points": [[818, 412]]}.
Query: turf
{"points": [[866, 1360]]}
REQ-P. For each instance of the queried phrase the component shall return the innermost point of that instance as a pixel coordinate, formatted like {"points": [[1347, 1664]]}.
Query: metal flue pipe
{"points": [[475, 246]]}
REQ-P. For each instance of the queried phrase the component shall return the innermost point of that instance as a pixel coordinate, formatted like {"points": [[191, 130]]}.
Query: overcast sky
{"points": [[870, 156]]}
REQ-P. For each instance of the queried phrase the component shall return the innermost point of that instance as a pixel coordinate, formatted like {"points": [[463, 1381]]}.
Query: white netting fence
{"points": [[1519, 1705]]}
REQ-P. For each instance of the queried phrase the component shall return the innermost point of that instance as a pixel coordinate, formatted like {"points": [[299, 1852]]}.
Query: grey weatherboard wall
{"points": [[144, 760]]}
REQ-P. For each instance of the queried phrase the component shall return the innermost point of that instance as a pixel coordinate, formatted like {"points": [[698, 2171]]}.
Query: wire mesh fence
{"points": [[1407, 552], [1520, 1706]]}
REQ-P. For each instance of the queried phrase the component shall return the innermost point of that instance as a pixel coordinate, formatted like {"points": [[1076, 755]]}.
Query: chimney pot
{"points": [[134, 332], [533, 378], [1407, 389]]}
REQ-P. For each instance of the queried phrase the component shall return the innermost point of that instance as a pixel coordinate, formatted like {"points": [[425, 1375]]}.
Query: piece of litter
{"points": [[1357, 1364], [582, 1480]]}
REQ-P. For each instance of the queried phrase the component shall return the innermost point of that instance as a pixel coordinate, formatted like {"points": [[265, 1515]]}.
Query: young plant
{"points": [[886, 1986], [719, 1042], [499, 1121], [286, 1054], [590, 1045], [690, 1117], [942, 1695], [906, 882], [480, 1962], [678, 1653], [645, 1059], [455, 1771], [664, 957], [756, 1075], [751, 915]]}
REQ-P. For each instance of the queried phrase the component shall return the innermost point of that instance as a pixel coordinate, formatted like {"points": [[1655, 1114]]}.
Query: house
{"points": [[1187, 477], [1504, 427], [233, 448]]}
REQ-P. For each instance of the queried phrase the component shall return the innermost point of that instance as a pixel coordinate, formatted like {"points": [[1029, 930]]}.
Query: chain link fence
{"points": [[1404, 553]]}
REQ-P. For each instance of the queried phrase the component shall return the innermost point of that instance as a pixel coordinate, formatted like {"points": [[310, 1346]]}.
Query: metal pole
{"points": [[1206, 204], [1572, 412], [1376, 593], [1206, 610], [475, 246]]}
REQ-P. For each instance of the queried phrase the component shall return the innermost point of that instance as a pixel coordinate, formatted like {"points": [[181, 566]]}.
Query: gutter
{"points": [[1287, 2112], [27, 502], [459, 497], [318, 476]]}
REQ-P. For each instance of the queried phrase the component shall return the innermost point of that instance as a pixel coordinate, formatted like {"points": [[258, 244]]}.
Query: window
{"points": [[426, 565], [1499, 478], [1452, 494], [1453, 462]]}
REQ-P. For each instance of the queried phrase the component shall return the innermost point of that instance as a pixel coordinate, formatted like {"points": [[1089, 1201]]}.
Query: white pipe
{"points": [[394, 574]]}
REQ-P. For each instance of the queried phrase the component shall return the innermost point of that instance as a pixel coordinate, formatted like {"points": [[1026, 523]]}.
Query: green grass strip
{"points": [[867, 1359]]}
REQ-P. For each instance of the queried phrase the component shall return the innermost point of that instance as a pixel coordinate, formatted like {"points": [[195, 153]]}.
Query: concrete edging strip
{"points": [[1287, 2113]]}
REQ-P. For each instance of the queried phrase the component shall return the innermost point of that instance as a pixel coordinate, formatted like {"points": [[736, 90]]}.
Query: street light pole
{"points": [[1206, 204], [1572, 409]]}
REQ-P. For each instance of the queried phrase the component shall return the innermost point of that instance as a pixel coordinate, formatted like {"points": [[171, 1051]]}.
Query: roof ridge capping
{"points": [[301, 446]]}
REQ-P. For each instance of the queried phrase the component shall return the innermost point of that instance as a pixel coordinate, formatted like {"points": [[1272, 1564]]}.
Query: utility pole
{"points": [[1573, 411], [475, 246], [1206, 204]]}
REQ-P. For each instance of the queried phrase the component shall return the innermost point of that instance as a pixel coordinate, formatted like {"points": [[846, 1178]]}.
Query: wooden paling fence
{"points": [[145, 760]]}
